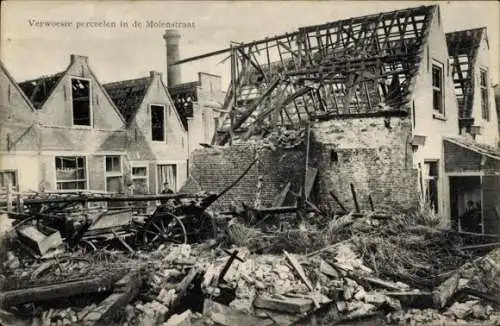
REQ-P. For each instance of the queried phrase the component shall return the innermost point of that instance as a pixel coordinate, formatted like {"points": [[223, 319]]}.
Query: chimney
{"points": [[78, 58], [172, 37]]}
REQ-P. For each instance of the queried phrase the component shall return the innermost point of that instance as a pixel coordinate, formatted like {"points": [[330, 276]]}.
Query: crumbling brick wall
{"points": [[372, 153], [213, 169]]}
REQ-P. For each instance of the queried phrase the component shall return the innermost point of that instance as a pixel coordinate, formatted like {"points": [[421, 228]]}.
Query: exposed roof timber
{"points": [[355, 66], [314, 28]]}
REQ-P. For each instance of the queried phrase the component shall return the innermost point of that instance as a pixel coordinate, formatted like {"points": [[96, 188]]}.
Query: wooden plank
{"points": [[290, 305], [227, 316], [124, 291], [354, 198], [280, 197], [298, 268], [55, 291], [337, 201], [445, 291]]}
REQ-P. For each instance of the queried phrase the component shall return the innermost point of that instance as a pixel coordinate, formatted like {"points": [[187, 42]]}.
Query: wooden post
{"points": [[354, 198], [9, 196], [338, 201], [20, 203], [371, 202], [303, 193], [232, 107]]}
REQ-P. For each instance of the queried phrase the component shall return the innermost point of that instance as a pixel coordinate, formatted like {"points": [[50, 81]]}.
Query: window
{"points": [[437, 89], [113, 164], [6, 177], [80, 92], [483, 84], [140, 179], [70, 172], [158, 122], [114, 178]]}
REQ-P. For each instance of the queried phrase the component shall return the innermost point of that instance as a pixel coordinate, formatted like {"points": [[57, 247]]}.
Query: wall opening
{"points": [[167, 173], [334, 156], [465, 203], [158, 122], [80, 92], [431, 174]]}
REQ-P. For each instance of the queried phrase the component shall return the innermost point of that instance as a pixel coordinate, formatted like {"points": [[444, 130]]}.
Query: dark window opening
{"points": [[485, 109], [7, 177], [465, 203], [113, 164], [334, 157], [80, 91], [158, 122], [437, 89]]}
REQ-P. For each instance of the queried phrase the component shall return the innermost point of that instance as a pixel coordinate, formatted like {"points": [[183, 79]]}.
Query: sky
{"points": [[29, 51]]}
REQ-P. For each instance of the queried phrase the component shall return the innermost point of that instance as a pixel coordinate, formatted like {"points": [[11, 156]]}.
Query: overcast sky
{"points": [[118, 53]]}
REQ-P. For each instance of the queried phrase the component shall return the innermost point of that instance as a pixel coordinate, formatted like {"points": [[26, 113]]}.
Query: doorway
{"points": [[466, 203]]}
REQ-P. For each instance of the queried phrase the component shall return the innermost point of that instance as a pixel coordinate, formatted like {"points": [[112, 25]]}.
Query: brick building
{"points": [[387, 102]]}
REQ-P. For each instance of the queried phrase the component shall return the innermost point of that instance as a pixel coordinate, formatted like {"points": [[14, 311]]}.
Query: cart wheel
{"points": [[201, 227], [162, 228]]}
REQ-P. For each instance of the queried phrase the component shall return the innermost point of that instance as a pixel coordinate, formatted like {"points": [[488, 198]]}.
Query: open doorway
{"points": [[466, 203]]}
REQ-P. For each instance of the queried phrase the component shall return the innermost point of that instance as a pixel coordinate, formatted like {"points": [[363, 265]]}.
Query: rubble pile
{"points": [[340, 269]]}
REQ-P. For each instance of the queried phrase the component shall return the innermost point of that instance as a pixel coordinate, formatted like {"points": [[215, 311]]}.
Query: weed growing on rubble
{"points": [[426, 215]]}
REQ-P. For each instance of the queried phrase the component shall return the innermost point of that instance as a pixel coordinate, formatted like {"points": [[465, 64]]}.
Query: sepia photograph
{"points": [[249, 163]]}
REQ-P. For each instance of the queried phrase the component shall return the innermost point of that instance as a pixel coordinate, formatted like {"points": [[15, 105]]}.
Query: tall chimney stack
{"points": [[172, 37]]}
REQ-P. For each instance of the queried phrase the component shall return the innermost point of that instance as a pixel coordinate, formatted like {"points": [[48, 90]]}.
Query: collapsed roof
{"points": [[356, 67], [184, 95], [463, 48], [39, 89], [128, 95]]}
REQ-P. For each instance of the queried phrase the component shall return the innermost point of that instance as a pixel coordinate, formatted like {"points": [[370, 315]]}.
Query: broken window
{"points": [[140, 179], [437, 89], [80, 91], [158, 122], [70, 172], [485, 109], [431, 181], [8, 176]]}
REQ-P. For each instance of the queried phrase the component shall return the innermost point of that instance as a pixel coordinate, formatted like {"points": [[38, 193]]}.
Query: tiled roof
{"points": [[38, 90], [128, 95]]}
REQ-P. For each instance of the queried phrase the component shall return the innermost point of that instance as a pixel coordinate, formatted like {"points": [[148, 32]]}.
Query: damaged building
{"points": [[137, 132], [382, 103]]}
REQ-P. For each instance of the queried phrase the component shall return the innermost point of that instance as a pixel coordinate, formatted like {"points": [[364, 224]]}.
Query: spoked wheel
{"points": [[201, 227], [164, 228]]}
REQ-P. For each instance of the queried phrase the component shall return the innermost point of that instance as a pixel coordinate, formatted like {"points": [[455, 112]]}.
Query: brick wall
{"points": [[374, 154], [216, 168], [459, 159]]}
